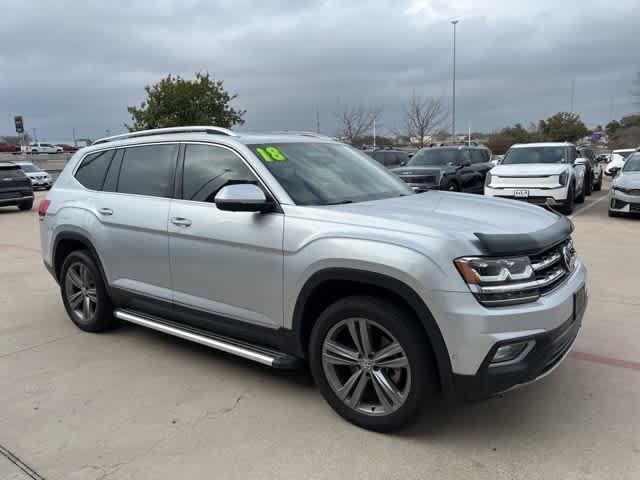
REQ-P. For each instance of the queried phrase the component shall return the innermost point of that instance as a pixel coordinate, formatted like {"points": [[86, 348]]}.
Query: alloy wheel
{"points": [[366, 367], [80, 291]]}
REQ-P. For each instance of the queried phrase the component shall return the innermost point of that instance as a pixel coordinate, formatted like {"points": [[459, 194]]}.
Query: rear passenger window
{"points": [[148, 170], [208, 168], [92, 171]]}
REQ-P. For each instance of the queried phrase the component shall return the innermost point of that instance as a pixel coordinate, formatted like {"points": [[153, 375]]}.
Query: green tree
{"points": [[174, 101], [563, 127]]}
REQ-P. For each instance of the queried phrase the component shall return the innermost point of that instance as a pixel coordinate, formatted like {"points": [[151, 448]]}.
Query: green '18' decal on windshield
{"points": [[269, 154]]}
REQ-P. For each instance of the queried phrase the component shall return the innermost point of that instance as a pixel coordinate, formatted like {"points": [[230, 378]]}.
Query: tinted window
{"points": [[477, 156], [537, 155], [93, 168], [208, 168], [148, 170], [435, 157]]}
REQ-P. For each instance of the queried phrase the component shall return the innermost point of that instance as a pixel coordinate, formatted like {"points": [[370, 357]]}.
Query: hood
{"points": [[627, 180], [529, 169], [438, 214]]}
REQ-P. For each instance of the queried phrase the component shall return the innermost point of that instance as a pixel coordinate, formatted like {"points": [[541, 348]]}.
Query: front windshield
{"points": [[434, 157], [632, 164], [624, 154], [29, 168], [328, 173], [536, 155]]}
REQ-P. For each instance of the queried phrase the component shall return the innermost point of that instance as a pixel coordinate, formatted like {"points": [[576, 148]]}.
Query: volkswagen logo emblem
{"points": [[569, 256]]}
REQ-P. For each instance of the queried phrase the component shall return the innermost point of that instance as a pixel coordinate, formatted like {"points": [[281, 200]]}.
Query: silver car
{"points": [[295, 249], [624, 195]]}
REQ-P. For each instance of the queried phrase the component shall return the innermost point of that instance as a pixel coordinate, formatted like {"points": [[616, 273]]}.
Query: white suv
{"points": [[541, 173]]}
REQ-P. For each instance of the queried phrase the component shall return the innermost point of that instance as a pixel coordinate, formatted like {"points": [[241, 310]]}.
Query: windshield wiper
{"points": [[341, 202]]}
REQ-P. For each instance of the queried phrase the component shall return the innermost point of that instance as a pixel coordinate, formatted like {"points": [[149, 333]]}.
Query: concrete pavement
{"points": [[135, 404]]}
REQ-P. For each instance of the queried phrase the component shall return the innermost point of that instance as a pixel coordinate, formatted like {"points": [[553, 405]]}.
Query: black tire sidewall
{"points": [[405, 328], [103, 318]]}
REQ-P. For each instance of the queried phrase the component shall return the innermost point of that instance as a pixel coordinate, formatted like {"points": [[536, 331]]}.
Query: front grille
{"points": [[634, 191], [419, 178], [551, 264], [550, 269], [561, 343], [634, 207]]}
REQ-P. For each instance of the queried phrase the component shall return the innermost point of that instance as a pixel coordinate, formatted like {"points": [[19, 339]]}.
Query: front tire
{"points": [[372, 362], [598, 186], [84, 294], [568, 207]]}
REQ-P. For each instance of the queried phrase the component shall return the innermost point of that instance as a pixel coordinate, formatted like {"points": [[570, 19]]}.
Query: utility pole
{"points": [[453, 116], [573, 93], [35, 136], [374, 133], [317, 120], [75, 142]]}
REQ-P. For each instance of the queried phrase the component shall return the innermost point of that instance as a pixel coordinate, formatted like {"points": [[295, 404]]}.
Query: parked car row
{"points": [[552, 174]]}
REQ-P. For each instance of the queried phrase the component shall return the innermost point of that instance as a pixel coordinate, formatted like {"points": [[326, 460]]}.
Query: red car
{"points": [[9, 148], [67, 148]]}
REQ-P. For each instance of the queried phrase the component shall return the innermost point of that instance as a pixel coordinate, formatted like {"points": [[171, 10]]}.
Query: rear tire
{"points": [[598, 186], [588, 185], [580, 198], [84, 293], [26, 205], [356, 384]]}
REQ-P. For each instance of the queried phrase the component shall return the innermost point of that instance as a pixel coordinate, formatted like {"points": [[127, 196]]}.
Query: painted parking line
{"points": [[589, 205], [19, 247], [612, 362]]}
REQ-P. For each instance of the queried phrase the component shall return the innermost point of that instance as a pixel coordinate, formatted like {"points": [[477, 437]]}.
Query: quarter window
{"points": [[208, 168], [93, 169], [148, 170]]}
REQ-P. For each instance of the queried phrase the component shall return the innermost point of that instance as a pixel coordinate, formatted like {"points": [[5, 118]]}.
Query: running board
{"points": [[256, 353]]}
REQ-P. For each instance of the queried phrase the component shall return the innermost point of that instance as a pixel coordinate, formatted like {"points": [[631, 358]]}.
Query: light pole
{"points": [[453, 116]]}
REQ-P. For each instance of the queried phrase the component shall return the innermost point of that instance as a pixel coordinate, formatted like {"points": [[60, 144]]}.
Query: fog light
{"points": [[509, 352]]}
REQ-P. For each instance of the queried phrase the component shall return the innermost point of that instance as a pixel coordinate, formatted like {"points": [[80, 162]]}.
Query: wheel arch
{"points": [[67, 242], [328, 285]]}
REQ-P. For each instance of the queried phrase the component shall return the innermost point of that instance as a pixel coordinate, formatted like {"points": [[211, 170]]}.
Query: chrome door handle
{"points": [[105, 211], [181, 221]]}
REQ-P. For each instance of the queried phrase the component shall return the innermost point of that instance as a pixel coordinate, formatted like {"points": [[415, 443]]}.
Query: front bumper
{"points": [[537, 196], [473, 333], [623, 202]]}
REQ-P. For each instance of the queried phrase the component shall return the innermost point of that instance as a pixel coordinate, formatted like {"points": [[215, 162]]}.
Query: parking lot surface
{"points": [[134, 404]]}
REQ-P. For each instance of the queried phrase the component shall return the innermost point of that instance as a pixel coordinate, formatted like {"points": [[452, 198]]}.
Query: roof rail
{"points": [[301, 132], [165, 131]]}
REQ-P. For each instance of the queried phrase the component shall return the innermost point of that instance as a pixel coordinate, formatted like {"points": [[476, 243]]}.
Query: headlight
{"points": [[619, 189], [499, 281], [563, 178], [487, 180]]}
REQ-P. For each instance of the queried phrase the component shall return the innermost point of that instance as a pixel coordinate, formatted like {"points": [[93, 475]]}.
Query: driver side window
{"points": [[208, 168]]}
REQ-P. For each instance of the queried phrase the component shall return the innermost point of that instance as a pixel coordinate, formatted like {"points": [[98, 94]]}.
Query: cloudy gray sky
{"points": [[66, 64]]}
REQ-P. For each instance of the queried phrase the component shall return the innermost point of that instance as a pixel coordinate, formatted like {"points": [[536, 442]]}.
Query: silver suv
{"points": [[295, 249]]}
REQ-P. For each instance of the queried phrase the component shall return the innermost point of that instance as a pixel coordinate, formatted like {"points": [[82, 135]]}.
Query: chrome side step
{"points": [[256, 353]]}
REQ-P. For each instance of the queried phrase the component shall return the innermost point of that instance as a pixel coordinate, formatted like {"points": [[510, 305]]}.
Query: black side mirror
{"points": [[465, 162]]}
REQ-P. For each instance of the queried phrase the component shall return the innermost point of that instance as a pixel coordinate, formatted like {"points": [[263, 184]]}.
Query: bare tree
{"points": [[423, 117], [356, 121]]}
